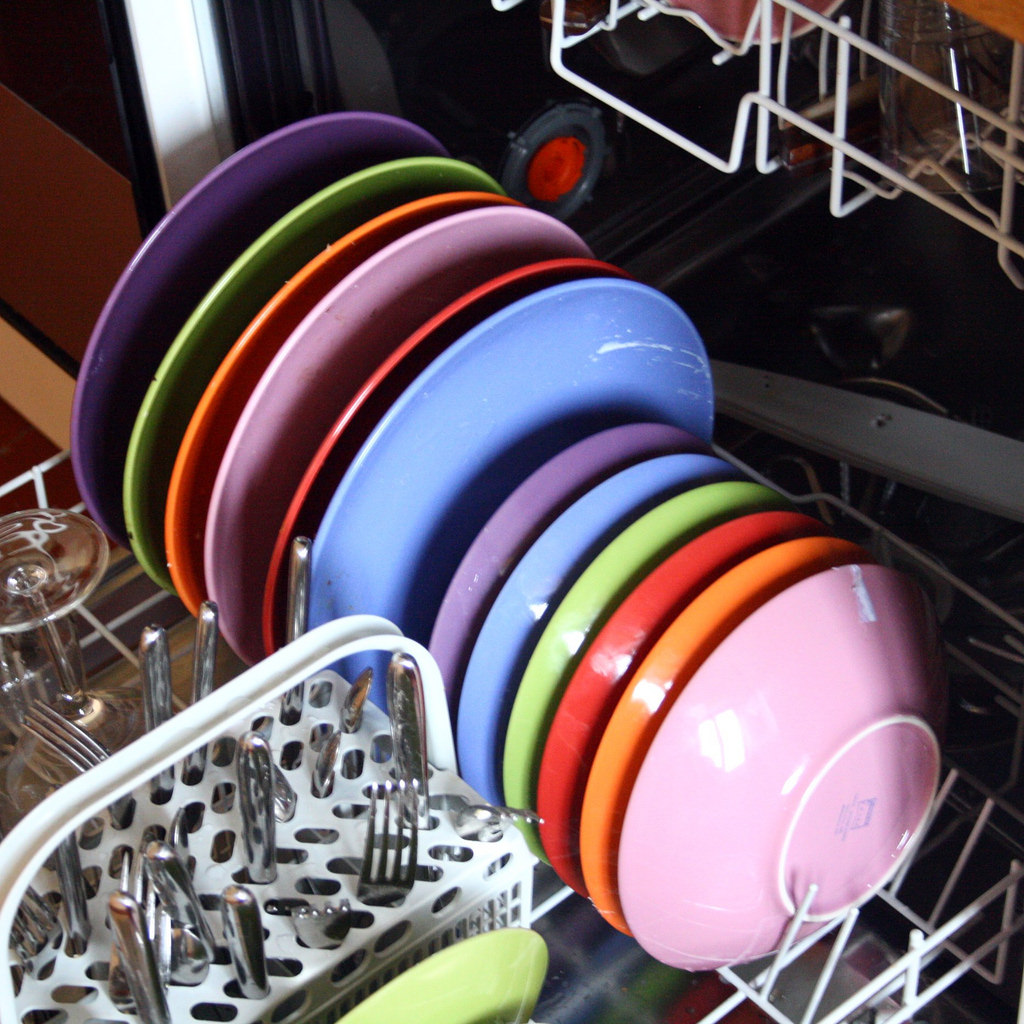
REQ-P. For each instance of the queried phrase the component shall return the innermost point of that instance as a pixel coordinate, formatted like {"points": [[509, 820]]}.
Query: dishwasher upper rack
{"points": [[856, 176]]}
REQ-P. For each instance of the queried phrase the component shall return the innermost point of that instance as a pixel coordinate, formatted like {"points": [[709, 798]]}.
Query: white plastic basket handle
{"points": [[30, 842]]}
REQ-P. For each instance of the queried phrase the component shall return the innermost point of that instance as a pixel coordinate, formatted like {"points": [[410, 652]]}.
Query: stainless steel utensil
{"points": [[78, 748], [352, 707], [297, 617], [407, 715], [388, 868], [322, 927], [486, 823], [72, 889], [168, 874], [157, 697], [36, 933], [204, 664], [243, 935], [322, 780], [138, 959], [256, 803]]}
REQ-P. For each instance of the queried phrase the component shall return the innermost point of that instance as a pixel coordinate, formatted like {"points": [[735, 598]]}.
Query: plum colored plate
{"points": [[218, 409], [489, 978], [338, 345], [520, 520], [366, 408], [180, 260], [621, 643], [589, 601], [807, 745], [539, 581], [229, 306], [658, 680], [528, 381]]}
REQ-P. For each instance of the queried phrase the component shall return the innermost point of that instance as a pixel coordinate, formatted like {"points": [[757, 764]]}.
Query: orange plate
{"points": [[207, 435], [673, 659]]}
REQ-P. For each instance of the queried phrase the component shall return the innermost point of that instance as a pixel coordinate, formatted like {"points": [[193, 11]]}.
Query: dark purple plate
{"points": [[184, 255]]}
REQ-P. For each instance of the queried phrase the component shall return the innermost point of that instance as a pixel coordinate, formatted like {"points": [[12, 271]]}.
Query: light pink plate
{"points": [[803, 751], [323, 364]]}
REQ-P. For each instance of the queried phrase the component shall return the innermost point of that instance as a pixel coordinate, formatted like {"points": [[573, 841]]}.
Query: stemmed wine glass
{"points": [[51, 560]]}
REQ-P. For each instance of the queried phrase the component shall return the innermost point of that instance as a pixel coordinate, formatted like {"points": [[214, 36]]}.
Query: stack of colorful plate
{"points": [[502, 445]]}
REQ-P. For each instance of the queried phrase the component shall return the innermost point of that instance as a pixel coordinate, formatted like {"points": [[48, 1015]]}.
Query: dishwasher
{"points": [[862, 330]]}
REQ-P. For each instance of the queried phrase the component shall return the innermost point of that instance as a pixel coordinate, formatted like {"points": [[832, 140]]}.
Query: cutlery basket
{"points": [[462, 887]]}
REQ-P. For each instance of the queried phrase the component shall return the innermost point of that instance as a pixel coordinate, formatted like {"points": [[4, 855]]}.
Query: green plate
{"points": [[230, 305], [589, 602], [493, 978]]}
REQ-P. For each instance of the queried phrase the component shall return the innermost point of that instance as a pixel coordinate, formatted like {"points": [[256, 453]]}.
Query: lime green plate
{"points": [[493, 978], [586, 606], [230, 305]]}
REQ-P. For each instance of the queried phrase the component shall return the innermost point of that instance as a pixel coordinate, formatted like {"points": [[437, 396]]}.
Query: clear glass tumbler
{"points": [[926, 136]]}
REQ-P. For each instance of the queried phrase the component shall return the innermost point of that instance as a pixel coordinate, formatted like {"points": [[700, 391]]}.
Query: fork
{"points": [[388, 868], [36, 933], [77, 748]]}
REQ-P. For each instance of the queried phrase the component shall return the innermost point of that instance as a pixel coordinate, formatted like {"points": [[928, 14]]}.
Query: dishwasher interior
{"points": [[895, 301]]}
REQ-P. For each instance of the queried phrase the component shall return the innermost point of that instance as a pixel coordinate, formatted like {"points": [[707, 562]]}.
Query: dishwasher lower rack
{"points": [[462, 887], [952, 917], [846, 57]]}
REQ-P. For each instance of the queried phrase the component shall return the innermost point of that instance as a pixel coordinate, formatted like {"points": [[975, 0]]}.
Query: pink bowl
{"points": [[802, 752]]}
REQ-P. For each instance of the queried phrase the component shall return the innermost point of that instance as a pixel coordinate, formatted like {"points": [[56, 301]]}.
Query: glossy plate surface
{"points": [[739, 20], [374, 398], [658, 681], [520, 519], [807, 746], [492, 978], [209, 430], [328, 357], [606, 581], [539, 581], [621, 643], [228, 308], [181, 259], [524, 384]]}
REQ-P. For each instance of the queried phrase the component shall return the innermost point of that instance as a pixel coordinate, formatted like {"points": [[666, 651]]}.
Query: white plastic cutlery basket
{"points": [[462, 887]]}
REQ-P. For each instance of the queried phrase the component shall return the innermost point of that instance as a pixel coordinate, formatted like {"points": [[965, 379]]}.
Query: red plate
{"points": [[623, 641], [375, 397]]}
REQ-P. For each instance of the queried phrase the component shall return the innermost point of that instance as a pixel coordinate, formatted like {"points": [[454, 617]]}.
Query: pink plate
{"points": [[331, 353], [621, 644], [522, 517], [803, 751], [374, 398]]}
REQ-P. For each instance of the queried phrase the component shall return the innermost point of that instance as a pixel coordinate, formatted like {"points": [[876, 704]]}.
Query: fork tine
{"points": [[72, 731], [55, 743]]}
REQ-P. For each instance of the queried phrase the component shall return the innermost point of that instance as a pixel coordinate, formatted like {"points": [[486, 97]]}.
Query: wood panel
{"points": [[1006, 16]]}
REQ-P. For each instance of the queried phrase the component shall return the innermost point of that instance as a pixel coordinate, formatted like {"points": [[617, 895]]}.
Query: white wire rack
{"points": [[955, 904], [856, 176]]}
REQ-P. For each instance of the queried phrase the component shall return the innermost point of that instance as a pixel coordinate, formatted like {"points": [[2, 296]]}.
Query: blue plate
{"points": [[521, 386], [536, 585]]}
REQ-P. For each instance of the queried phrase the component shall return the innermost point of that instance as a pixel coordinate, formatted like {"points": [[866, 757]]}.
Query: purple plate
{"points": [[184, 255], [520, 520]]}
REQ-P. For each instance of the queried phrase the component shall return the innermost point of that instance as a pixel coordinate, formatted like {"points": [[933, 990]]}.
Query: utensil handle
{"points": [[256, 803], [243, 935], [72, 887], [157, 697], [138, 959]]}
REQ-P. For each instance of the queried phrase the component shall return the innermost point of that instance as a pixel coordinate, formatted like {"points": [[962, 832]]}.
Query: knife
{"points": [[157, 698], [297, 620], [243, 935], [138, 959], [407, 716], [168, 874], [204, 663], [256, 803]]}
